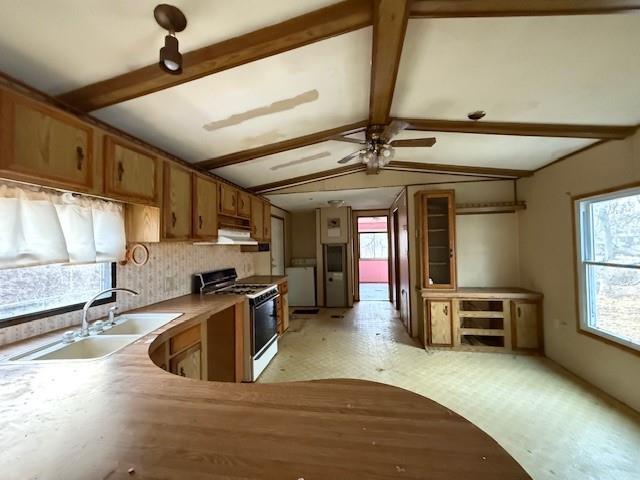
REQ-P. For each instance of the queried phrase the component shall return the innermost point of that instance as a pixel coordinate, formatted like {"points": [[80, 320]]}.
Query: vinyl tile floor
{"points": [[554, 424]]}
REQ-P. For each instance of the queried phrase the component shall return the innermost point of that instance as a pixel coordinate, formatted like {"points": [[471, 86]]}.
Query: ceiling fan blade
{"points": [[350, 140], [391, 130], [349, 157], [414, 142]]}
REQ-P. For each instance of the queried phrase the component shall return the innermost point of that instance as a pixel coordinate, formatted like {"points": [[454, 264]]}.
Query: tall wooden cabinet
{"points": [[228, 200], [177, 202], [39, 142], [437, 238], [266, 209], [257, 218]]}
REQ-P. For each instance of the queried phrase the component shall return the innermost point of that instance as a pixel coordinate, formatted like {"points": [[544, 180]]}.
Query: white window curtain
{"points": [[39, 228]]}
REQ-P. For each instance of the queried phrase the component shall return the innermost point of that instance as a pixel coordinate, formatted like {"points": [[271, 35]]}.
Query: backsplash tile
{"points": [[166, 275]]}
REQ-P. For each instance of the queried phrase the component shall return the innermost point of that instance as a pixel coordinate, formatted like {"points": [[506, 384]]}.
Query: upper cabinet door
{"points": [[177, 202], [228, 200], [45, 145], [438, 239], [257, 218], [205, 207], [244, 204], [130, 172], [267, 222]]}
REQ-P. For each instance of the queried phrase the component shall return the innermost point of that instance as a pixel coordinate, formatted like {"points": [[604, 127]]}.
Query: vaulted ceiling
{"points": [[267, 86]]}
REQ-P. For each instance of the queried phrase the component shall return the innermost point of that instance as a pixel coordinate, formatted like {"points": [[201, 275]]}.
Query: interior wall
{"points": [[547, 263], [166, 275], [470, 233], [262, 260], [303, 234]]}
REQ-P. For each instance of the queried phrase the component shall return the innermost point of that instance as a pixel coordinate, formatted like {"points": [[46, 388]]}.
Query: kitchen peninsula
{"points": [[123, 417]]}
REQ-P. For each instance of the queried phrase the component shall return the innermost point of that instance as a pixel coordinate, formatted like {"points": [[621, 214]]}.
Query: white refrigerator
{"points": [[302, 286]]}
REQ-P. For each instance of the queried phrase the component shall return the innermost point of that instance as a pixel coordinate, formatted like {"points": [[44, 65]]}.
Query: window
{"points": [[608, 259], [373, 246], [41, 291]]}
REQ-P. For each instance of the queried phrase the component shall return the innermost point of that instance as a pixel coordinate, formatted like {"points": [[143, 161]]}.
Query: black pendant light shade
{"points": [[173, 20], [170, 57]]}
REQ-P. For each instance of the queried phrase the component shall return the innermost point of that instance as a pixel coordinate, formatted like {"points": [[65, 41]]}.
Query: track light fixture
{"points": [[173, 20]]}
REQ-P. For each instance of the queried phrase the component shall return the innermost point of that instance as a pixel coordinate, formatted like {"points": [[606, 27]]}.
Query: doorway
{"points": [[277, 246], [373, 257]]}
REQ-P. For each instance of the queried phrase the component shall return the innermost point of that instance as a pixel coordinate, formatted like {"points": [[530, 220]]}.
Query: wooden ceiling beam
{"points": [[518, 8], [458, 169], [343, 17], [523, 129], [390, 19], [312, 177], [264, 150]]}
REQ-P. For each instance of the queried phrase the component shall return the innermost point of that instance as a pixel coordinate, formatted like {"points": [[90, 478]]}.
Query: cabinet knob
{"points": [[445, 309], [174, 219], [519, 312], [200, 221], [80, 155]]}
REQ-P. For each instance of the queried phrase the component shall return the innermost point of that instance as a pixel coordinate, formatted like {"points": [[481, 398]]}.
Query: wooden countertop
{"points": [[481, 293], [265, 279], [98, 419]]}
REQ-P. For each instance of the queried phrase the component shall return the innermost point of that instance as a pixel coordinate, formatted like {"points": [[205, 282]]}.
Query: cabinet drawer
{"points": [[130, 172], [44, 144], [184, 339]]}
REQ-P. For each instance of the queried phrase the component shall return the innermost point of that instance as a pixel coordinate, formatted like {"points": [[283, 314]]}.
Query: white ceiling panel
{"points": [[566, 69], [61, 45], [312, 88], [292, 163], [497, 151], [359, 199]]}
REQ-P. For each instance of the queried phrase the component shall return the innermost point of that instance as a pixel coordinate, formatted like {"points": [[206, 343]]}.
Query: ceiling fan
{"points": [[378, 149]]}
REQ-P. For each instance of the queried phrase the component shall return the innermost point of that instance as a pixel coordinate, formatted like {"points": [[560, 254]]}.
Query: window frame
{"points": [[580, 265], [60, 310], [360, 257]]}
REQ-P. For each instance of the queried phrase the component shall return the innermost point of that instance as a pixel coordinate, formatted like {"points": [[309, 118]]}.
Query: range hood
{"points": [[227, 236]]}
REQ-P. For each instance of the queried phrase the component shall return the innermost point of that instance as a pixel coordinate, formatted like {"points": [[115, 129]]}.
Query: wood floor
{"points": [[555, 425]]}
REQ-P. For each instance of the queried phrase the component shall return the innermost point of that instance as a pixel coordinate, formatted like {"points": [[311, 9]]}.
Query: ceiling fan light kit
{"points": [[173, 20], [379, 150]]}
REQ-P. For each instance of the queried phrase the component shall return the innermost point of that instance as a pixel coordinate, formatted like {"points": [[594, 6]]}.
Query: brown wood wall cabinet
{"points": [[130, 172], [244, 204], [266, 228], [44, 145], [257, 218], [483, 319], [177, 203], [437, 238], [205, 207], [228, 200]]}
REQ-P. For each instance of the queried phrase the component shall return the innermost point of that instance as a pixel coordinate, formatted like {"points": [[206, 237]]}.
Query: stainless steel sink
{"points": [[140, 323], [127, 330]]}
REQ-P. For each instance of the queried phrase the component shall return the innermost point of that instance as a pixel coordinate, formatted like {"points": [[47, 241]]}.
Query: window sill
{"points": [[610, 339]]}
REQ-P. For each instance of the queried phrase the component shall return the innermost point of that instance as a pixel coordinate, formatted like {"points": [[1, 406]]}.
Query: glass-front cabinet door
{"points": [[437, 239]]}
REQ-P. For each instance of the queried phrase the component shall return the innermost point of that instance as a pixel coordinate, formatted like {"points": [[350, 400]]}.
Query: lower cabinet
{"points": [[188, 363], [211, 349], [526, 325], [440, 323], [481, 320], [283, 307]]}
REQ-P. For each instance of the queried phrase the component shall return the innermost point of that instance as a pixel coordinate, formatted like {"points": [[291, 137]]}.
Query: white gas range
{"points": [[260, 318]]}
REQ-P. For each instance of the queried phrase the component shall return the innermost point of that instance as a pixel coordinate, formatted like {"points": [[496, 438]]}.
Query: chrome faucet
{"points": [[84, 330]]}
